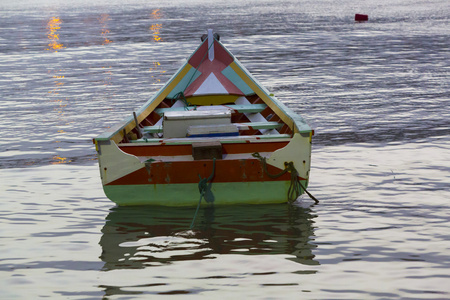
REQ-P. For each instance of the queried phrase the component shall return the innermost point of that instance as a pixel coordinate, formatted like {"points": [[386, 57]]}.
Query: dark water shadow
{"points": [[140, 237]]}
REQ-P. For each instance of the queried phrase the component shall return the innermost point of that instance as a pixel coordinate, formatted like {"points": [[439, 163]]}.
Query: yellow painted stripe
{"points": [[212, 99], [162, 94], [263, 95]]}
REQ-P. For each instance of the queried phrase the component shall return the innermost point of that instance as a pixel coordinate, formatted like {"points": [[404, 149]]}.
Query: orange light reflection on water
{"points": [[156, 14], [59, 160], [156, 69], [53, 25], [156, 28], [104, 18], [59, 119]]}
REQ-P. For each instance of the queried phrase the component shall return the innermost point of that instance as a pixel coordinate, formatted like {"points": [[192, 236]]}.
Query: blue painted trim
{"points": [[191, 75], [231, 75]]}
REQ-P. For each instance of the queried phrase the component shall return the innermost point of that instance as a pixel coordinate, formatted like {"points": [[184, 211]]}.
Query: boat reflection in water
{"points": [[140, 237]]}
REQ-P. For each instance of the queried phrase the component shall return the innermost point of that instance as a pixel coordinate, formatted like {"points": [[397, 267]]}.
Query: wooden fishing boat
{"points": [[213, 132]]}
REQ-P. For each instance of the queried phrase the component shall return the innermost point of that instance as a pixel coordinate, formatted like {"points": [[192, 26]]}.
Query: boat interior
{"points": [[191, 119]]}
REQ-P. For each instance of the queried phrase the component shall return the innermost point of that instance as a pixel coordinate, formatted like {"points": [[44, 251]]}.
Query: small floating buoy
{"points": [[361, 18]]}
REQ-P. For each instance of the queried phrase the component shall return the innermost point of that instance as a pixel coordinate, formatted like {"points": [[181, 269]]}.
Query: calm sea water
{"points": [[377, 94]]}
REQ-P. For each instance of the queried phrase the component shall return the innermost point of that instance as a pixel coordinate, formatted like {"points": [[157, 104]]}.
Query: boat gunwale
{"points": [[293, 120]]}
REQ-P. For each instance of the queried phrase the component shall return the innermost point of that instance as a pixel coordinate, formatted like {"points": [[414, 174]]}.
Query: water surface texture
{"points": [[377, 94]]}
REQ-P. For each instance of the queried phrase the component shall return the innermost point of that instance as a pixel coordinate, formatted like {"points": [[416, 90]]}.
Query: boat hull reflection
{"points": [[140, 237]]}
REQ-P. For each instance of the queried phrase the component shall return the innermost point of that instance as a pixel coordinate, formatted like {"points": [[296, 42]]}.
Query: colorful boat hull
{"points": [[251, 168]]}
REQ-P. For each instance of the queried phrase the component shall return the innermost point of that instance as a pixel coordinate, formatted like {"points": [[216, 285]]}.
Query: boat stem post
{"points": [[210, 45]]}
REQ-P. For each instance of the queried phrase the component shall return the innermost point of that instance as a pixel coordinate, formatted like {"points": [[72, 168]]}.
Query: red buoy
{"points": [[361, 18]]}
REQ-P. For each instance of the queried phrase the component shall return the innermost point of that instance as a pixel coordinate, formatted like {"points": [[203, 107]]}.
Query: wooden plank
{"points": [[293, 120], [241, 126], [259, 125], [251, 108], [233, 139], [115, 133], [207, 150], [153, 129]]}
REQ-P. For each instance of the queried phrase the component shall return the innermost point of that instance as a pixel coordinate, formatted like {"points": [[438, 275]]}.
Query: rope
{"points": [[205, 190], [203, 187], [180, 96], [295, 186]]}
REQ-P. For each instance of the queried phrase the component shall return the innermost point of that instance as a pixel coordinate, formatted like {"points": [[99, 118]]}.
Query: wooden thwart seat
{"points": [[241, 126], [153, 129], [231, 139], [210, 117], [258, 125], [249, 108]]}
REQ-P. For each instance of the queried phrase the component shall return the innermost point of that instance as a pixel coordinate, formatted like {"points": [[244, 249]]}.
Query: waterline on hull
{"points": [[188, 194]]}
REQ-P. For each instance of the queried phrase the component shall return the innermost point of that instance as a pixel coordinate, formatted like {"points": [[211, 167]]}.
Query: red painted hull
{"points": [[245, 170]]}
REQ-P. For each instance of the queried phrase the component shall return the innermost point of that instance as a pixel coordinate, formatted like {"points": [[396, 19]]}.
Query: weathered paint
{"points": [[208, 100], [297, 151], [115, 133], [114, 163], [177, 171], [188, 194], [251, 82], [191, 75], [186, 149], [288, 116], [250, 108], [211, 81], [237, 80], [127, 177]]}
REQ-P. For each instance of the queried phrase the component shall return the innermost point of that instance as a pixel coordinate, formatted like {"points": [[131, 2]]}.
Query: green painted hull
{"points": [[189, 195]]}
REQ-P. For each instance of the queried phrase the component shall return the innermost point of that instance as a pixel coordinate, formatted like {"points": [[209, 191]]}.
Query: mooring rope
{"points": [[203, 188], [295, 187], [180, 96]]}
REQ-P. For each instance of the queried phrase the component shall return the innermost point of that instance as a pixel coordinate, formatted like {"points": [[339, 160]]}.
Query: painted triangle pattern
{"points": [[211, 85], [209, 77]]}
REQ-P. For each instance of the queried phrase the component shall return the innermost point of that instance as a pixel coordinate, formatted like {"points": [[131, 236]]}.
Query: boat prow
{"points": [[211, 122]]}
